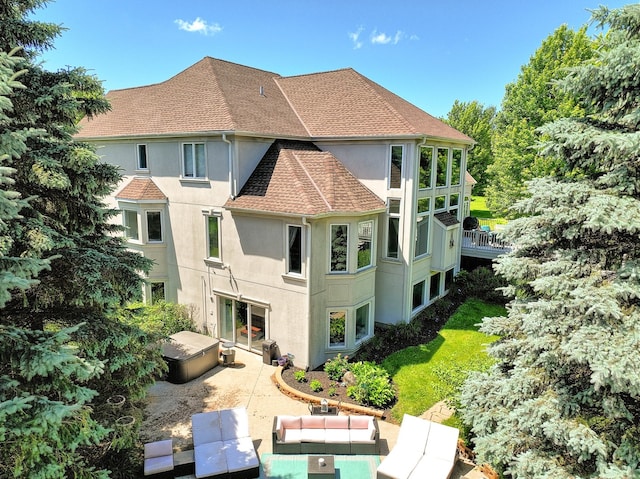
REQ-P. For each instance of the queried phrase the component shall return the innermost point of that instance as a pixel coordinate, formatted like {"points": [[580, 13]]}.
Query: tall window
{"points": [[422, 226], [193, 160], [213, 237], [442, 166], [395, 166], [362, 322], [339, 247], [448, 279], [418, 295], [157, 292], [426, 165], [294, 249], [456, 166], [130, 219], [393, 226], [365, 232], [142, 157], [434, 287], [154, 226], [337, 329]]}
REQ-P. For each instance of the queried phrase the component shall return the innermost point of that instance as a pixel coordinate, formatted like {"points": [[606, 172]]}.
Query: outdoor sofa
{"points": [[325, 435], [222, 445], [423, 449]]}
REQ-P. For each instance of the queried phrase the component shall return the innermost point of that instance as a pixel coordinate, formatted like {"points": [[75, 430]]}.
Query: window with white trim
{"points": [[141, 163], [442, 166], [418, 298], [365, 244], [454, 204], [194, 162], [363, 322], [423, 219], [440, 203], [130, 220], [425, 166], [339, 248], [434, 287], [337, 328], [395, 166], [294, 249], [157, 292], [393, 228], [213, 237], [456, 166], [154, 226]]}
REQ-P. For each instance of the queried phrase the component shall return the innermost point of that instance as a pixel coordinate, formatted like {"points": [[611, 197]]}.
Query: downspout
{"points": [[307, 255], [232, 179]]}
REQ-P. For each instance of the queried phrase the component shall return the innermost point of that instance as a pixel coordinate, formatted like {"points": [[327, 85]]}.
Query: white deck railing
{"points": [[483, 240]]}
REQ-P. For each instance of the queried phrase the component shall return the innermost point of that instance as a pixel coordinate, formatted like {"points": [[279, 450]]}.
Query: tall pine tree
{"points": [[564, 397], [63, 352]]}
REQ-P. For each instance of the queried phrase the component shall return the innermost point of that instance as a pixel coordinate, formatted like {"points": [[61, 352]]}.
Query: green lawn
{"points": [[479, 209], [433, 372]]}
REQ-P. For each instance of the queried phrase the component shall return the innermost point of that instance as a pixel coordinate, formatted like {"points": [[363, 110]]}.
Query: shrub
{"points": [[300, 376], [332, 390], [336, 367], [161, 318], [481, 283], [315, 385], [373, 386]]}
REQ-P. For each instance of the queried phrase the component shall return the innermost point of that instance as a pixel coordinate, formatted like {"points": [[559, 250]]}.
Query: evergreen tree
{"points": [[475, 120], [564, 397], [528, 103], [62, 348]]}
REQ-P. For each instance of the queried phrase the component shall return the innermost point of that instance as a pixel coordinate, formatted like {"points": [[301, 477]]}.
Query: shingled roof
{"points": [[140, 189], [219, 96], [297, 178]]}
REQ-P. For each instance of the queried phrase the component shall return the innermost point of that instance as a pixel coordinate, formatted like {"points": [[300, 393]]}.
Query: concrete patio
{"points": [[248, 383]]}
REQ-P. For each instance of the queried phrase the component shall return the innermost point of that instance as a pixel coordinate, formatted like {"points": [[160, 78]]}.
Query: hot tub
{"points": [[189, 355]]}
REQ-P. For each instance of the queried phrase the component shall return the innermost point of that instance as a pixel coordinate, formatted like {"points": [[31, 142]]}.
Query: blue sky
{"points": [[426, 51]]}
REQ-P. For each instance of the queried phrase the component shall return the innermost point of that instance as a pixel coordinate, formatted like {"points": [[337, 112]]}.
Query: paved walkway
{"points": [[249, 383]]}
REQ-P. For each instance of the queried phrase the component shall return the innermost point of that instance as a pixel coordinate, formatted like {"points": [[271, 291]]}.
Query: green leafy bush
{"points": [[336, 367], [373, 386], [315, 385], [161, 318], [332, 391], [300, 376]]}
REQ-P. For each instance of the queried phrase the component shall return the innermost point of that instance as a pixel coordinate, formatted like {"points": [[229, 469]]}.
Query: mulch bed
{"points": [[288, 376]]}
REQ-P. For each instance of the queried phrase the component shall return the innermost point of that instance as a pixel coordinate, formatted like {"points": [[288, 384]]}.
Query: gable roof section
{"points": [[141, 189], [297, 178], [218, 96]]}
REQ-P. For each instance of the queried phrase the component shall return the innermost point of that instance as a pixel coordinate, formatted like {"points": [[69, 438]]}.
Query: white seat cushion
{"points": [[433, 468], [240, 454], [292, 436], [400, 462], [337, 436], [234, 423], [442, 442], [413, 433], [312, 435], [210, 459], [362, 436], [158, 448], [205, 427], [156, 465]]}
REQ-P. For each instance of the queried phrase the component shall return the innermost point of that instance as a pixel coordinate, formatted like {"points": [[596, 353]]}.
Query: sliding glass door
{"points": [[243, 323]]}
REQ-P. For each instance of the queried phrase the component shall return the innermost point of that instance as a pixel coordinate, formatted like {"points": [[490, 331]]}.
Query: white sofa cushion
{"points": [[312, 435], [234, 423], [442, 442], [210, 459], [240, 454], [362, 429], [205, 427], [336, 422], [432, 467], [312, 422], [337, 436]]}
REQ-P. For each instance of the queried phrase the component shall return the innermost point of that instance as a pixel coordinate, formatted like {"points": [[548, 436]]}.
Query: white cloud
{"points": [[355, 38], [380, 38], [199, 26]]}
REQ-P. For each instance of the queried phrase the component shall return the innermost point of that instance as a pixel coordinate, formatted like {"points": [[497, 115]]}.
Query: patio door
{"points": [[243, 323]]}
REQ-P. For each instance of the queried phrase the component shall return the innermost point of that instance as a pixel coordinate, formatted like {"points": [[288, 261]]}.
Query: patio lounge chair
{"points": [[158, 458]]}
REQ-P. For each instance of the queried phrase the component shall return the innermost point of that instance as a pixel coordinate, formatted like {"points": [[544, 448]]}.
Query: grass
{"points": [[479, 209], [433, 372]]}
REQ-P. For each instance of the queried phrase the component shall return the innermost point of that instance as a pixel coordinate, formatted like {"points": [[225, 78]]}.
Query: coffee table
{"points": [[316, 471]]}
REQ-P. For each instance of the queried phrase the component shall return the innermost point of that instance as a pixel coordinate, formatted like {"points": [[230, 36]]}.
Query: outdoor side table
{"points": [[316, 471], [229, 355], [317, 410]]}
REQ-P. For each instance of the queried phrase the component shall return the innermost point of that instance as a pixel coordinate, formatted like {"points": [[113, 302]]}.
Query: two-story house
{"points": [[298, 209]]}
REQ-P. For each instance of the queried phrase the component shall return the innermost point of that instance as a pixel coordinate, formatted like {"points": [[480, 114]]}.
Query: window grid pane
{"points": [[456, 167], [337, 328], [154, 226], [187, 157], [142, 157], [131, 224], [395, 173], [365, 230], [214, 237], [362, 322], [339, 247], [418, 295], [200, 167], [426, 165], [443, 163], [295, 249]]}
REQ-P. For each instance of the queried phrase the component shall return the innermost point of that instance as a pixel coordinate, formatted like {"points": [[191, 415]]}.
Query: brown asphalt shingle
{"points": [[219, 96], [141, 189], [297, 178]]}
